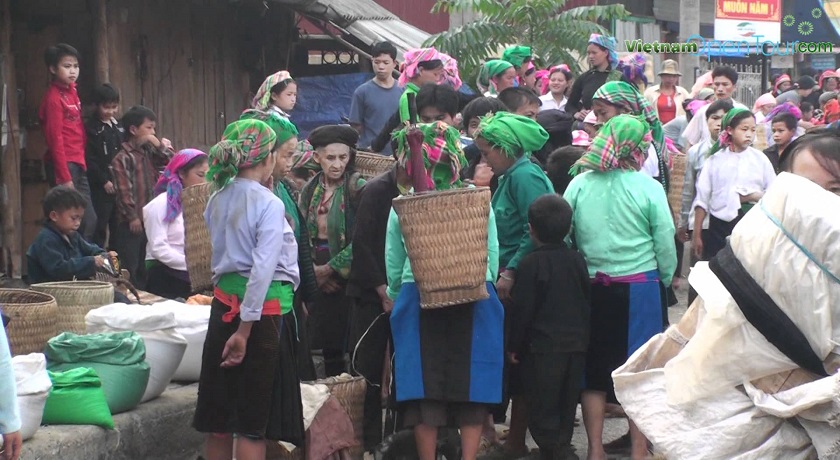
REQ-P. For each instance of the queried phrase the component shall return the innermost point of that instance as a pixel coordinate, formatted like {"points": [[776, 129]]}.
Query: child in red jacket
{"points": [[64, 130]]}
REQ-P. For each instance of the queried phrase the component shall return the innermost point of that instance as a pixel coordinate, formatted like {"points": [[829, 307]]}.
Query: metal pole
{"points": [[689, 25]]}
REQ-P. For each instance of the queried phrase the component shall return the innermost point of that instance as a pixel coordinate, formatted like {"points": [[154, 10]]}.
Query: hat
{"points": [[806, 82], [705, 93], [827, 96], [580, 138], [670, 67], [323, 136], [591, 118]]}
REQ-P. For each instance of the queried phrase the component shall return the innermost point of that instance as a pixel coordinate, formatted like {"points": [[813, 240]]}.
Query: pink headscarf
{"points": [[170, 181], [581, 138], [779, 80], [705, 81], [549, 72], [414, 57], [451, 76], [828, 74], [694, 105], [763, 100]]}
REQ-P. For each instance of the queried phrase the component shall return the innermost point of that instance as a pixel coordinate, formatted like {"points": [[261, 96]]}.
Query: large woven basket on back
{"points": [[32, 319], [370, 165], [75, 299], [677, 180], [445, 236], [197, 246]]}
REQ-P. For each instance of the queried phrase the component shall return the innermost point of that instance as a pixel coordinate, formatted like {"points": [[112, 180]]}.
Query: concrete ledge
{"points": [[160, 429]]}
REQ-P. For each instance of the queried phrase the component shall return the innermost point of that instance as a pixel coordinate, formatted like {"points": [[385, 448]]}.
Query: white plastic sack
{"points": [[727, 351], [724, 426], [165, 347], [33, 387], [192, 321]]}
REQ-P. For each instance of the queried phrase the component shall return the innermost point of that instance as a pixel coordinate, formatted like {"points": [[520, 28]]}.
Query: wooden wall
{"points": [[196, 63]]}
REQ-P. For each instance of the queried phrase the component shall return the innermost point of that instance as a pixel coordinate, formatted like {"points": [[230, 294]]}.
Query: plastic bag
{"points": [[77, 399], [165, 346], [33, 387], [118, 359]]}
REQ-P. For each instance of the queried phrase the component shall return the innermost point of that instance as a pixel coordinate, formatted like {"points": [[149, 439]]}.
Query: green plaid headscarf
{"points": [[304, 157], [724, 139], [622, 143], [442, 154], [283, 128], [517, 55], [514, 134], [244, 144], [624, 95]]}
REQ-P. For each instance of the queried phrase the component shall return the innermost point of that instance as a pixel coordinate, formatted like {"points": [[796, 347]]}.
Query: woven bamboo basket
{"points": [[446, 239], [33, 319], [75, 299], [351, 396], [370, 165], [197, 247], [677, 180]]}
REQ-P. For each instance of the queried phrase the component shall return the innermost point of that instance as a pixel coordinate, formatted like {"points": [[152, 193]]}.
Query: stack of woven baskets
{"points": [[33, 319], [445, 236], [75, 299]]}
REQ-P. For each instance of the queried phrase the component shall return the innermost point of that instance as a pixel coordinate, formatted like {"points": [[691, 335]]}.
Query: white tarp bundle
{"points": [[33, 387], [165, 346], [700, 403], [192, 322]]}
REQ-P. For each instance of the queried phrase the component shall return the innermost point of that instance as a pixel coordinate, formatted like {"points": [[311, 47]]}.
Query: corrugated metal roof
{"points": [[364, 19], [404, 36], [354, 10]]}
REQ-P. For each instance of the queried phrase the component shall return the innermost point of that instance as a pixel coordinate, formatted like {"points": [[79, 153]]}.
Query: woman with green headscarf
{"points": [[442, 371], [496, 76], [622, 225], [506, 141], [617, 97], [249, 385], [287, 148]]}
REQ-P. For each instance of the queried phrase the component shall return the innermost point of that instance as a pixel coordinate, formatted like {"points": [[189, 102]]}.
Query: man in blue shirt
{"points": [[376, 100]]}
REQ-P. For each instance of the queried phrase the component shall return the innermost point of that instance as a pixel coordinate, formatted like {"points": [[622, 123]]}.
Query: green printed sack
{"points": [[118, 359], [77, 398]]}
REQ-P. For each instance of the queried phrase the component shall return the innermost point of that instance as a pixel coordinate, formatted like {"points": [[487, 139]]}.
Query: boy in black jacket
{"points": [[104, 137], [550, 329]]}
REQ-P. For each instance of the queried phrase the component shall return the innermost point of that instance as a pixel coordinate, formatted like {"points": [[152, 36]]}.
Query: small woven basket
{"points": [[445, 236], [75, 299], [351, 396], [676, 185], [197, 247], [32, 319], [370, 165]]}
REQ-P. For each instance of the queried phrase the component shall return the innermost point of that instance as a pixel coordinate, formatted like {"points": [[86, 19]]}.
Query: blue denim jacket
{"points": [[54, 258]]}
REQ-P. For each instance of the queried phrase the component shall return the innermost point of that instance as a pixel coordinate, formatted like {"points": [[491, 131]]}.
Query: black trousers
{"points": [[552, 389], [80, 183], [105, 206], [370, 334], [167, 282], [131, 249]]}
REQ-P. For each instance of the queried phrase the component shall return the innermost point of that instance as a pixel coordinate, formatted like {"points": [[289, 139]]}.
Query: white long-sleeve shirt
{"points": [[549, 103], [726, 175], [165, 239]]}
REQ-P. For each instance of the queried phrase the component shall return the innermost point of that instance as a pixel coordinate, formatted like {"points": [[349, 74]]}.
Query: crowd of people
{"points": [[307, 254]]}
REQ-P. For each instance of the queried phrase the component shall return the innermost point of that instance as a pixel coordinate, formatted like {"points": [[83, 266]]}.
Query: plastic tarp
{"points": [[694, 394], [325, 100], [165, 346], [33, 387]]}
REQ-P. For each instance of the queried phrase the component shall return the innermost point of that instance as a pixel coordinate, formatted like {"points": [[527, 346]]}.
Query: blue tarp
{"points": [[325, 100]]}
